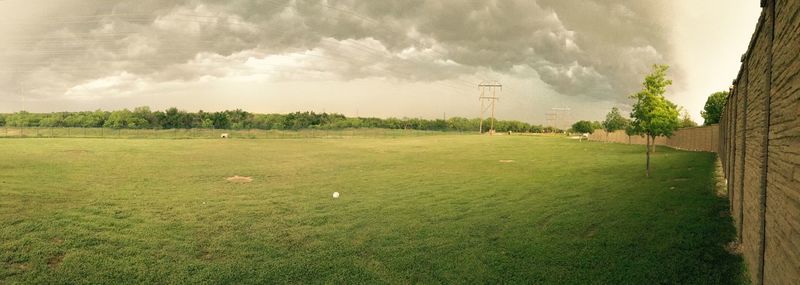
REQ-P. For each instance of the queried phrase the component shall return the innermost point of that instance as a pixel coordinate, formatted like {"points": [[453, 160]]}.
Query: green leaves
{"points": [[583, 127], [615, 121], [652, 114], [715, 104]]}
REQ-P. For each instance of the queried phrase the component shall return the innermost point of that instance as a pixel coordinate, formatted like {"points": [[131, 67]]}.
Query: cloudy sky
{"points": [[410, 58]]}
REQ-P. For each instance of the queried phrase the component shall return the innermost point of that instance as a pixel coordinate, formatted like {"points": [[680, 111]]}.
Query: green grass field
{"points": [[435, 209]]}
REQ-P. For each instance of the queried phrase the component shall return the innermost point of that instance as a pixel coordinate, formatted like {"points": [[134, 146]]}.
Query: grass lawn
{"points": [[437, 209]]}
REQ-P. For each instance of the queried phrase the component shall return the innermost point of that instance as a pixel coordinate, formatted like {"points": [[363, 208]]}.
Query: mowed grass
{"points": [[440, 209]]}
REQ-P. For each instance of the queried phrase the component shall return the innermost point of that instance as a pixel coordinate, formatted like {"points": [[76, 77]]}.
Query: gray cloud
{"points": [[593, 49]]}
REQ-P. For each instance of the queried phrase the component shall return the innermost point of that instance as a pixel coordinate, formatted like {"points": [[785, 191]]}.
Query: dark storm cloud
{"points": [[588, 48]]}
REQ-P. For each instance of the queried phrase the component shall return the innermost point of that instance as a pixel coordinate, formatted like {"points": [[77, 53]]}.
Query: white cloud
{"points": [[122, 84]]}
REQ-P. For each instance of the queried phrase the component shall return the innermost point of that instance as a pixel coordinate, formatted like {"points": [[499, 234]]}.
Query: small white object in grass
{"points": [[335, 194]]}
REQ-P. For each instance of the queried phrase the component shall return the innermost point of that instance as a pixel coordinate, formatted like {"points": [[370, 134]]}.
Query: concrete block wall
{"points": [[695, 139], [760, 146], [758, 143]]}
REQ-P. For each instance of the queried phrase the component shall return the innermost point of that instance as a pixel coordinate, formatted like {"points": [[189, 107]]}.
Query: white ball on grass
{"points": [[335, 194]]}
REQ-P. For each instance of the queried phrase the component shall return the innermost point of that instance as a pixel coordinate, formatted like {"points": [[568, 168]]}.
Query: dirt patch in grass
{"points": [[19, 266], [55, 261], [506, 161], [57, 240], [206, 255], [239, 179]]}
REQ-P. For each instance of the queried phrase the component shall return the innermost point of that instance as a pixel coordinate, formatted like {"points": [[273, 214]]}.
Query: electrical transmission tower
{"points": [[491, 97], [561, 117], [551, 118]]}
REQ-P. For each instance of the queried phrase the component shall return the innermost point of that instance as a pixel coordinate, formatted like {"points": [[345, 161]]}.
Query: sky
{"points": [[411, 58]]}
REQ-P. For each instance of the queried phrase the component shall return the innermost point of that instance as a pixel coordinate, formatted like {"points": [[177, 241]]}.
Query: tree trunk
{"points": [[654, 144], [648, 156]]}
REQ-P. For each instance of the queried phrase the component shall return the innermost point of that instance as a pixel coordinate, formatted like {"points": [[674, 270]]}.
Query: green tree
{"points": [[119, 119], [630, 131], [615, 121], [583, 127], [715, 104], [653, 115], [22, 119], [207, 123], [143, 117], [53, 120], [686, 120]]}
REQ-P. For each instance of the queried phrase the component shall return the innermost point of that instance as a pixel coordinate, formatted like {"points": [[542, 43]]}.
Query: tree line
{"points": [[172, 118]]}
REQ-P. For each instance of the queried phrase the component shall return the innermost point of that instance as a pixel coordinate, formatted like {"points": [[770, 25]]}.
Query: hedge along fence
{"points": [[696, 139], [760, 146]]}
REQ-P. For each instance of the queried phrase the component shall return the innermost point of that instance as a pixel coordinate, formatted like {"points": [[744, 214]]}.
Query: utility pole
{"points": [[490, 96]]}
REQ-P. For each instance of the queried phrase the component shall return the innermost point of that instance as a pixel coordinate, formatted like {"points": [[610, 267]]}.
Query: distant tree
{"points": [[120, 120], [552, 130], [159, 120], [457, 124], [207, 123], [630, 131], [52, 120], [85, 119], [686, 120], [653, 115], [22, 119], [615, 121], [96, 119], [174, 119], [597, 125], [143, 117], [715, 104], [583, 127], [239, 119], [221, 120]]}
